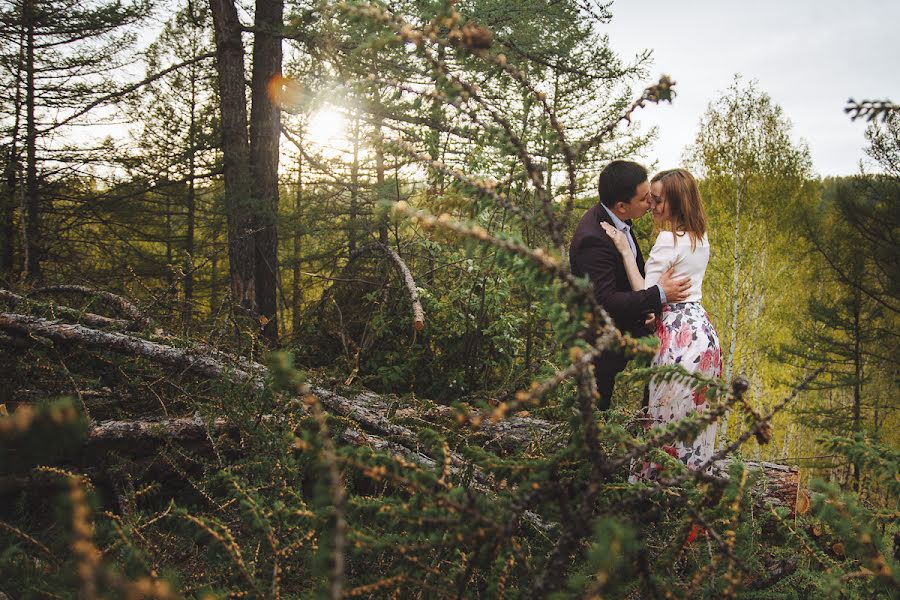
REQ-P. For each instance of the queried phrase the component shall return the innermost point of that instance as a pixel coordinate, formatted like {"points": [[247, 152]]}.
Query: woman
{"points": [[686, 336]]}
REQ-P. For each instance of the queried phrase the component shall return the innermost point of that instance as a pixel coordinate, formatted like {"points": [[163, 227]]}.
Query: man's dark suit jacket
{"points": [[593, 253]]}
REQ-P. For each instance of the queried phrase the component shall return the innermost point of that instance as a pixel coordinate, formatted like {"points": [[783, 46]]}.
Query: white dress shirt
{"points": [[676, 250]]}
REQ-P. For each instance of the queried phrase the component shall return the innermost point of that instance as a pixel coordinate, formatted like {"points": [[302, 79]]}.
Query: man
{"points": [[624, 193]]}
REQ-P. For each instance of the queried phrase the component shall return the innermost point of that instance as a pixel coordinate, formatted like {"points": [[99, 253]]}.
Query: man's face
{"points": [[639, 204]]}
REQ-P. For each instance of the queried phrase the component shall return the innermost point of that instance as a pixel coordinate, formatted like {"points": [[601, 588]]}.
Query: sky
{"points": [[808, 56]]}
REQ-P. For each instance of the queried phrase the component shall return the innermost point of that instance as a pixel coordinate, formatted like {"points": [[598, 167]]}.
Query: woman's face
{"points": [[658, 204]]}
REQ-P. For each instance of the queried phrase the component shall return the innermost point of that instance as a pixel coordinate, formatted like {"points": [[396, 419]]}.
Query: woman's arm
{"points": [[597, 259], [631, 268]]}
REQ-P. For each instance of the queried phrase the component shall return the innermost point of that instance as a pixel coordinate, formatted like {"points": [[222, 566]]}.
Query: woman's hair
{"points": [[679, 188]]}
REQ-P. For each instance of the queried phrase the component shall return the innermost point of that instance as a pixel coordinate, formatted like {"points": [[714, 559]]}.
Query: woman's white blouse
{"points": [[668, 251]]}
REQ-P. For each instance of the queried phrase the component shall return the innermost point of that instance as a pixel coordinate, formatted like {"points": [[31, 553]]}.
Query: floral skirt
{"points": [[686, 338]]}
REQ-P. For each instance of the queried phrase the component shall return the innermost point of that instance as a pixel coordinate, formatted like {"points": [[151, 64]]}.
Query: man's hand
{"points": [[650, 322], [675, 290]]}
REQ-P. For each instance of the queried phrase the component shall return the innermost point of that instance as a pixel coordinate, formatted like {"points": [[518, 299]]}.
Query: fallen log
{"points": [[367, 409], [370, 410], [137, 318], [179, 429], [778, 486], [13, 300]]}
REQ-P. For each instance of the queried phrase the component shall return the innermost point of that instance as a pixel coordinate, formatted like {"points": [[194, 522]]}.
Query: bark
{"points": [[197, 362], [130, 433], [265, 134], [187, 428], [239, 205]]}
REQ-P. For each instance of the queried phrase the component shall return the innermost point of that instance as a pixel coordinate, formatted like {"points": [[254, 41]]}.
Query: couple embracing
{"points": [[662, 294]]}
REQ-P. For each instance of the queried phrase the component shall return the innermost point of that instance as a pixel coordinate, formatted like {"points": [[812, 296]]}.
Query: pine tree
{"points": [[65, 54], [843, 327], [177, 148], [250, 149]]}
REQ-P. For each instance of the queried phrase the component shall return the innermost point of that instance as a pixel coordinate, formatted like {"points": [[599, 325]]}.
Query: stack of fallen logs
{"points": [[779, 485]]}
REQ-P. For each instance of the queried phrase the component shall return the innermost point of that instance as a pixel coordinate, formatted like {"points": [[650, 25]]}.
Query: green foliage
{"points": [[26, 432], [877, 461], [753, 175], [506, 482]]}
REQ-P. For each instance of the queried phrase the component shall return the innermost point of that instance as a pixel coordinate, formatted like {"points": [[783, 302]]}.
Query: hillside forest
{"points": [[286, 311]]}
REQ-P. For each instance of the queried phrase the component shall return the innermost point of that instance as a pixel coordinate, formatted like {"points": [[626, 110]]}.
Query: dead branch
{"points": [[418, 312], [406, 275], [127, 307], [67, 333], [93, 320]]}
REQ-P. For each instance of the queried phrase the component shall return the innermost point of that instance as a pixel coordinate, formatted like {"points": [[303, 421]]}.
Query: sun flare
{"points": [[327, 131]]}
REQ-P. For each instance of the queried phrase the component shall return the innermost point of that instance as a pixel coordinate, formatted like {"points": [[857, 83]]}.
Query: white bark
{"points": [[735, 306]]}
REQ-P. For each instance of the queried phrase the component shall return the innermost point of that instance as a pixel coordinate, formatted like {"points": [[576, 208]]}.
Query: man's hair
{"points": [[619, 180]]}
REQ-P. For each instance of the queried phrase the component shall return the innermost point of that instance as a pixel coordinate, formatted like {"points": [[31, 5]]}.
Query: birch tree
{"points": [[751, 170]]}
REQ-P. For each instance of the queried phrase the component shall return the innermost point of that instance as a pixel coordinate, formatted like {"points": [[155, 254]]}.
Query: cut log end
{"points": [[778, 485]]}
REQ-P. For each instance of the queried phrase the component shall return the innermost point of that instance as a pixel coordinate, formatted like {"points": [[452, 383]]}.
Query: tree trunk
{"points": [[857, 377], [169, 190], [7, 216], [32, 240], [354, 192], [265, 134], [239, 205], [735, 306], [187, 310], [10, 178], [214, 282], [379, 179], [295, 263]]}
